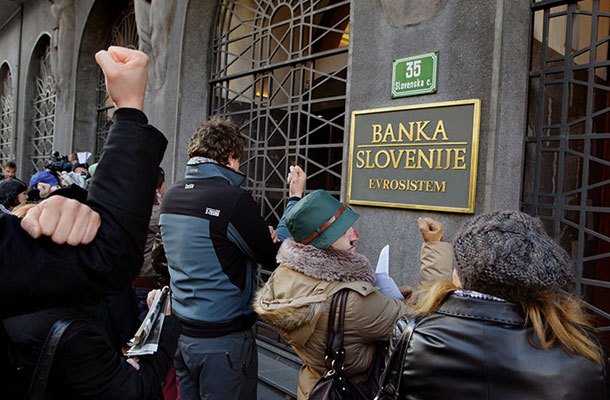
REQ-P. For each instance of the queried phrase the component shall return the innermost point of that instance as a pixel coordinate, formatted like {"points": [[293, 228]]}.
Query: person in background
{"points": [[503, 328], [73, 158], [12, 194], [154, 273], [42, 183], [9, 170], [213, 236]]}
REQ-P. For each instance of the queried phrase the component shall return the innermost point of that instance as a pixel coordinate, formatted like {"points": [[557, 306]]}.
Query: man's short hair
{"points": [[9, 164], [218, 139]]}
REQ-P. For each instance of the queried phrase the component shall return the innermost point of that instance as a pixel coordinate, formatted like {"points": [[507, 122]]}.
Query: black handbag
{"points": [[334, 385]]}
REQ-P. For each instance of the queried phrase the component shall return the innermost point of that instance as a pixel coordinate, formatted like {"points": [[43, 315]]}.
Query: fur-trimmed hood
{"points": [[298, 291], [327, 265]]}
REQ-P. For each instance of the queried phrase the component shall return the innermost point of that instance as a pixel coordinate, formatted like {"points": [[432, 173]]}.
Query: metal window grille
{"points": [[43, 123], [567, 145], [124, 33], [6, 116], [280, 71]]}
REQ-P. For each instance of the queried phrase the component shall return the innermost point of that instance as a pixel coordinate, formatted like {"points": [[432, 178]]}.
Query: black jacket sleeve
{"points": [[253, 238], [39, 273]]}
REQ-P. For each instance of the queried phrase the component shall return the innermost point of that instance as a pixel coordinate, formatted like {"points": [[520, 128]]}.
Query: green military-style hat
{"points": [[309, 220]]}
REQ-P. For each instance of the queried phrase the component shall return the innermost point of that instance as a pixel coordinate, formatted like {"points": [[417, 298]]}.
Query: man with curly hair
{"points": [[214, 237]]}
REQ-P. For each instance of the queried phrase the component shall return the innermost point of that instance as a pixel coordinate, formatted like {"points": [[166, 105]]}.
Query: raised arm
{"points": [[296, 182], [436, 255], [37, 273]]}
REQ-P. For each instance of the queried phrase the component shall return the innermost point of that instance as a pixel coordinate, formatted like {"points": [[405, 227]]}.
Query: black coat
{"points": [[86, 365], [479, 349], [38, 273]]}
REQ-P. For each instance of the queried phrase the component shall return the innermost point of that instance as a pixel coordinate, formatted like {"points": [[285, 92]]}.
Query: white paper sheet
{"points": [[386, 284]]}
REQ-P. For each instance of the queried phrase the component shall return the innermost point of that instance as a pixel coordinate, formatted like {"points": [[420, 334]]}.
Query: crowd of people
{"points": [[84, 260], [72, 176]]}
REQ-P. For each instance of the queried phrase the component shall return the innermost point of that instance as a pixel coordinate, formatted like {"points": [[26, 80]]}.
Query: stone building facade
{"points": [[291, 73]]}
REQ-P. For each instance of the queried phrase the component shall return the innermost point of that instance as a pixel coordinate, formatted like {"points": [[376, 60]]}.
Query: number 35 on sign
{"points": [[415, 75]]}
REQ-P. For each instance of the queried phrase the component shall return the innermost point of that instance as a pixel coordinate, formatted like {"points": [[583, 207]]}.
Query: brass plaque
{"points": [[422, 157]]}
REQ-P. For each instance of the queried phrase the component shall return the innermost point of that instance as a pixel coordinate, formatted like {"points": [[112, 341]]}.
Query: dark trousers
{"points": [[224, 367]]}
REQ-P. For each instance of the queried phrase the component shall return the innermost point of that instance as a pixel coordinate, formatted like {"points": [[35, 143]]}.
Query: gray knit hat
{"points": [[509, 255]]}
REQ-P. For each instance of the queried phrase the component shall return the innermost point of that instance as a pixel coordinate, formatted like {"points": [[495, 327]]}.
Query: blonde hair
{"points": [[555, 316], [21, 210]]}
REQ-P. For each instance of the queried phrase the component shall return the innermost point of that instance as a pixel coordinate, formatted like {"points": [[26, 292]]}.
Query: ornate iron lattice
{"points": [[6, 115], [567, 146], [43, 123], [279, 71], [124, 33]]}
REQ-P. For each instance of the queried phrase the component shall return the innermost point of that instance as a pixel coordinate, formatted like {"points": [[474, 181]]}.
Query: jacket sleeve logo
{"points": [[213, 212], [189, 186]]}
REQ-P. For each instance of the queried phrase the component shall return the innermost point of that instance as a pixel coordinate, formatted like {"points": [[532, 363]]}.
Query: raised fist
{"points": [[64, 220], [126, 72], [296, 180], [431, 230]]}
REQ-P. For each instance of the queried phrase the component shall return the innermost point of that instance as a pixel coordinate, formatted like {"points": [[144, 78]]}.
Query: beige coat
{"points": [[297, 296]]}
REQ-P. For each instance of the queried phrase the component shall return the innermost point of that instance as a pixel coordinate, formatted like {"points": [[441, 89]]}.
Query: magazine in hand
{"points": [[146, 339]]}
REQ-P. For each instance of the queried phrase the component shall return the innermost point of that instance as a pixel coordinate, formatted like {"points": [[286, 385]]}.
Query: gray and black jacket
{"points": [[214, 236]]}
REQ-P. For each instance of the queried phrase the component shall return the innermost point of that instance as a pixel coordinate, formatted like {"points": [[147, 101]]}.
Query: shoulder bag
{"points": [[334, 385], [43, 367]]}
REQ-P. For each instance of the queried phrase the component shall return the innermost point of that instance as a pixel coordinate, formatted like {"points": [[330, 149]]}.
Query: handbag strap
{"points": [[43, 367], [338, 339], [335, 353], [331, 324], [389, 388]]}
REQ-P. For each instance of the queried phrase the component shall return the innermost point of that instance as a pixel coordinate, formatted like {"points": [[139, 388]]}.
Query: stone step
{"points": [[278, 372]]}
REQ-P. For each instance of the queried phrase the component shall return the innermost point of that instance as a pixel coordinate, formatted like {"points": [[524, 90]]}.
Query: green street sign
{"points": [[414, 75]]}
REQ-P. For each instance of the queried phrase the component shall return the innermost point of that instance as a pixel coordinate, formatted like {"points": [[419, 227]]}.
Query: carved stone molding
{"points": [[155, 19], [62, 45], [401, 13]]}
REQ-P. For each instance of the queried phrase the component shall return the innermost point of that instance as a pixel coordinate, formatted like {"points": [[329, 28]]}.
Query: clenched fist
{"points": [[126, 72], [64, 220], [296, 181], [431, 230]]}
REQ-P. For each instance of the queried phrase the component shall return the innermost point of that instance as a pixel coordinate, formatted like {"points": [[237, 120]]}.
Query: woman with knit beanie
{"points": [[504, 328], [317, 262]]}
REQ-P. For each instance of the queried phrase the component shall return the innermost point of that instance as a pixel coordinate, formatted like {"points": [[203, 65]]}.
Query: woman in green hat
{"points": [[317, 262]]}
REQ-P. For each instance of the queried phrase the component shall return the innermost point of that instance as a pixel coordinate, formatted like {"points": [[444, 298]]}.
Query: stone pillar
{"points": [[483, 54]]}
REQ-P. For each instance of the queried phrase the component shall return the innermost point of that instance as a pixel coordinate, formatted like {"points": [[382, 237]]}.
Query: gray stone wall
{"points": [[36, 23], [9, 53], [193, 102], [482, 54]]}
